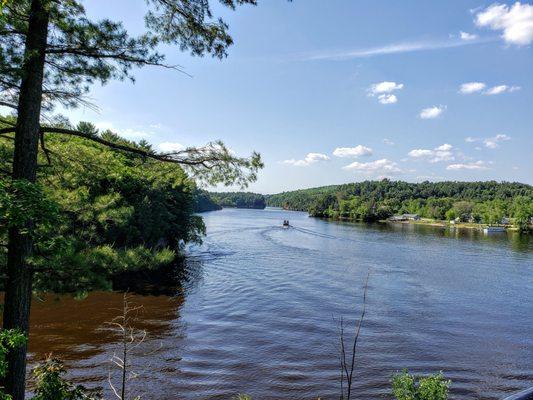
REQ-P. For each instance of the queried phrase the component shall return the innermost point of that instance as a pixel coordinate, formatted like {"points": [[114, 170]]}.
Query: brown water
{"points": [[257, 312]]}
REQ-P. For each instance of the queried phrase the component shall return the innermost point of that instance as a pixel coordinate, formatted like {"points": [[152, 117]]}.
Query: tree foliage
{"points": [[81, 51], [239, 199], [204, 202], [9, 339], [50, 53], [97, 212], [51, 385]]}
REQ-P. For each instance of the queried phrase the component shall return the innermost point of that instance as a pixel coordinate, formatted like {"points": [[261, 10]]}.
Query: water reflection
{"points": [[78, 331]]}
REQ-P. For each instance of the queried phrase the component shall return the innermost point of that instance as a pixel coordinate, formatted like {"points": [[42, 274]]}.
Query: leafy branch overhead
{"points": [[51, 52], [80, 52], [211, 164]]}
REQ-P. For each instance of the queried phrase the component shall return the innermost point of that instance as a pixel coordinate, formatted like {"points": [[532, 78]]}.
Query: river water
{"points": [[257, 311]]}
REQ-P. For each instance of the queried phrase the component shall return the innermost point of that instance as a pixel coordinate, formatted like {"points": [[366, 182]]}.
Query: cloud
{"points": [[383, 91], [128, 133], [432, 112], [394, 48], [476, 87], [477, 165], [515, 22], [388, 142], [356, 151], [385, 87], [382, 167], [170, 147], [431, 178], [418, 153], [501, 89], [467, 36], [472, 87], [438, 154], [493, 142], [387, 99], [310, 158]]}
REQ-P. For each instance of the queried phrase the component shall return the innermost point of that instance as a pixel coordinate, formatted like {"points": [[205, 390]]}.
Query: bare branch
{"points": [[344, 365]]}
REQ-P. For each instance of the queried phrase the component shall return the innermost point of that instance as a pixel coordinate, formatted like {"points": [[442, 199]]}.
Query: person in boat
{"points": [[286, 222]]}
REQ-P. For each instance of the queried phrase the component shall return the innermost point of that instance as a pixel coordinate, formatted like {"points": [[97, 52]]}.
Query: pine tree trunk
{"points": [[19, 274]]}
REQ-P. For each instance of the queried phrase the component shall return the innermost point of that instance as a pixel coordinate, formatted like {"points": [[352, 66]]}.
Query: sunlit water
{"points": [[259, 306]]}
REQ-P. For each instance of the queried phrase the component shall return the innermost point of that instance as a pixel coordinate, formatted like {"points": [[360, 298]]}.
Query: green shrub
{"points": [[408, 387], [52, 386], [9, 339], [242, 397]]}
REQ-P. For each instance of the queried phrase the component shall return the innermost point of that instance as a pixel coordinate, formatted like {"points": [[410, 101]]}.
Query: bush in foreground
{"points": [[408, 387]]}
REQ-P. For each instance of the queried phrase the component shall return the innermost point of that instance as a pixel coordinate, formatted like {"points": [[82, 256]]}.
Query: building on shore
{"points": [[405, 217]]}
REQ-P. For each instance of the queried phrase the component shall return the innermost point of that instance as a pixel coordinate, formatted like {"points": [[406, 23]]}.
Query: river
{"points": [[257, 311]]}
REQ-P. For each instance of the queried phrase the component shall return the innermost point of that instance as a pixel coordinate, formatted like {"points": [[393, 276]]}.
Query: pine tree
{"points": [[50, 53]]}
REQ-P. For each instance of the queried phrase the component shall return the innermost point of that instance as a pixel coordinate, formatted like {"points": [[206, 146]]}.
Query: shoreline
{"points": [[446, 224]]}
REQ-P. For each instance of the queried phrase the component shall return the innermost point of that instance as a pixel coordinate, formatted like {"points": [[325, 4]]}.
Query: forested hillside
{"points": [[486, 202], [99, 212], [239, 199], [205, 202]]}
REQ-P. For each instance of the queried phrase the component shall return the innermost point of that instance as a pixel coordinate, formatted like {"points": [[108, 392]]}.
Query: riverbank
{"points": [[448, 224]]}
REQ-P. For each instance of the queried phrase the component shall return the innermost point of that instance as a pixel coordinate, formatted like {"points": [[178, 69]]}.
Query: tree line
{"points": [[481, 202], [239, 199]]}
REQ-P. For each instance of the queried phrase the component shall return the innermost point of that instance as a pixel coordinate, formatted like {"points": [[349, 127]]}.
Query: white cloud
{"points": [[419, 153], [387, 98], [444, 147], [356, 151], [501, 89], [472, 87], [382, 167], [395, 48], [431, 178], [477, 165], [385, 87], [438, 154], [170, 147], [310, 158], [383, 91], [515, 22], [128, 133], [388, 142], [493, 142], [432, 112], [467, 36], [476, 87]]}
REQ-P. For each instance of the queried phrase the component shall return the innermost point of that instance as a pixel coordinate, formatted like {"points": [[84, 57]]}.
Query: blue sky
{"points": [[343, 91]]}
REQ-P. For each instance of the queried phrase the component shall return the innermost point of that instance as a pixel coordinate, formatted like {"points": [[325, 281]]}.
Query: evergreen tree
{"points": [[51, 52]]}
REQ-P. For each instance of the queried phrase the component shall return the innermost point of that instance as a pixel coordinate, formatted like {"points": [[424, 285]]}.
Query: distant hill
{"points": [[204, 202], [233, 200], [385, 189], [486, 202]]}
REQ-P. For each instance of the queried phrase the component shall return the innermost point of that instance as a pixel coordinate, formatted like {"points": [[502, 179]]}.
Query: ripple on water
{"points": [[260, 307]]}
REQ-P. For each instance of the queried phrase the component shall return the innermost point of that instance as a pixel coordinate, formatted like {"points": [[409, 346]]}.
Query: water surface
{"points": [[257, 311]]}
